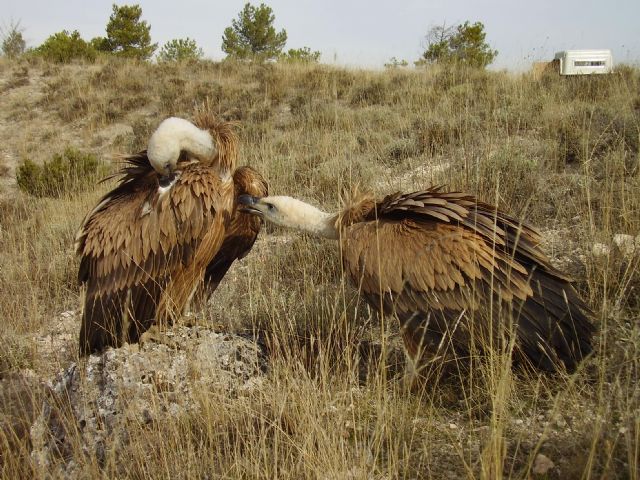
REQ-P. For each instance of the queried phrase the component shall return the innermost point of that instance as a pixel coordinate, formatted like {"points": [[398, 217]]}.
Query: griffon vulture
{"points": [[145, 247], [455, 271]]}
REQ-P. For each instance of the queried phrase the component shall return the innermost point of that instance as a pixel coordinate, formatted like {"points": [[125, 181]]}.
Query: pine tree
{"points": [[462, 44], [127, 35], [252, 35]]}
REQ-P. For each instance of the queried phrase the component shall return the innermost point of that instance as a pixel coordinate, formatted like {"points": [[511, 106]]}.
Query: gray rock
{"points": [[600, 250], [95, 399], [628, 245], [542, 464]]}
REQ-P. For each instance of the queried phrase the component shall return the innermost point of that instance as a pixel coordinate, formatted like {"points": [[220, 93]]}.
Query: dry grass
{"points": [[563, 153]]}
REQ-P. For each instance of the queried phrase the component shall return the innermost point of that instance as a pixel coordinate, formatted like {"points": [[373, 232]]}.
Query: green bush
{"points": [[62, 47], [300, 55], [69, 172], [180, 50], [13, 44]]}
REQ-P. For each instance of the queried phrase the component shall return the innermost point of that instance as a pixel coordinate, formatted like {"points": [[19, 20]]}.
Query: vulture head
{"points": [[174, 136], [291, 213]]}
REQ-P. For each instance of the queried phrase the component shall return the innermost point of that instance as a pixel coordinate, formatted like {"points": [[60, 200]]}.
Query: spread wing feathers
{"points": [[435, 257], [136, 239], [241, 233]]}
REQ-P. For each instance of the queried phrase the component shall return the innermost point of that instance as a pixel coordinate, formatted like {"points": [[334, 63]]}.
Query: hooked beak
{"points": [[167, 179], [249, 204]]}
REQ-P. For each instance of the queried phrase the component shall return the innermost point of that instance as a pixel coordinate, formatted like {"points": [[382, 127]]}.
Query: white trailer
{"points": [[584, 62]]}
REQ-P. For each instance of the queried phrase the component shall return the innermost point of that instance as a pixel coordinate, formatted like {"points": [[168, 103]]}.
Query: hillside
{"points": [[338, 400]]}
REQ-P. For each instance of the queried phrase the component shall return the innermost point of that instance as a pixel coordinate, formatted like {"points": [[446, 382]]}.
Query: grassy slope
{"points": [[562, 152]]}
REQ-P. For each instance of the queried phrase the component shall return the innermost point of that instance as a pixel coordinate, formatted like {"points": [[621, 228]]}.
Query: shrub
{"points": [[179, 50], [13, 44], [301, 55], [396, 63], [68, 172], [62, 47]]}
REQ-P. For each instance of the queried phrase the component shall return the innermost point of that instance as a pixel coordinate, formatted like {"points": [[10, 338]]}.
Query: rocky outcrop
{"points": [[95, 399]]}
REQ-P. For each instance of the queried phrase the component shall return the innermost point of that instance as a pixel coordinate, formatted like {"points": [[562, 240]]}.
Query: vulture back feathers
{"points": [[456, 270], [460, 275]]}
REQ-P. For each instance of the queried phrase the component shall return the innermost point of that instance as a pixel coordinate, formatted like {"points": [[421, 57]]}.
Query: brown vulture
{"points": [[145, 247], [456, 272]]}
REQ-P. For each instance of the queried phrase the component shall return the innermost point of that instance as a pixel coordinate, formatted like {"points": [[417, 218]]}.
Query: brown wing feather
{"points": [[433, 258], [134, 243], [242, 232], [237, 243]]}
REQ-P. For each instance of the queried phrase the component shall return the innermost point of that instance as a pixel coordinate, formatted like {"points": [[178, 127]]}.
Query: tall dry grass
{"points": [[339, 400]]}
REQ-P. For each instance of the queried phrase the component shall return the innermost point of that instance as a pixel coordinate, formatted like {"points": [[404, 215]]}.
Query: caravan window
{"points": [[589, 63]]}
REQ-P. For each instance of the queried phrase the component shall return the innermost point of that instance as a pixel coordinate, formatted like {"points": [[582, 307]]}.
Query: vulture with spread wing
{"points": [[146, 246], [458, 273]]}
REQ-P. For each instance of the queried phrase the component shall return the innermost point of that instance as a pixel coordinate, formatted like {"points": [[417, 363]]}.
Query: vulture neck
{"points": [[312, 220]]}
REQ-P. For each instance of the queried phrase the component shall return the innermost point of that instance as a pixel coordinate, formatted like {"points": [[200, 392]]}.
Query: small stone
{"points": [[519, 421], [600, 250], [453, 426], [542, 464], [628, 245]]}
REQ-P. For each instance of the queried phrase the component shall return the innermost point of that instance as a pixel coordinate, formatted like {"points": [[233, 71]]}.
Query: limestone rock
{"points": [[600, 250], [542, 464], [628, 245], [97, 398]]}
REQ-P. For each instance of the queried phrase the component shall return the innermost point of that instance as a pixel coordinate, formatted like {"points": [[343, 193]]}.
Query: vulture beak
{"points": [[166, 180], [250, 204]]}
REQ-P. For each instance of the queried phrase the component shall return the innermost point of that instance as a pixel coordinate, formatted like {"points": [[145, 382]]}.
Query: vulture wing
{"points": [[239, 239], [141, 246], [242, 232], [454, 269]]}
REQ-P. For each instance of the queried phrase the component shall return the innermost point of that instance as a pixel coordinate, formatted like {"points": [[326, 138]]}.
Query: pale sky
{"points": [[363, 33]]}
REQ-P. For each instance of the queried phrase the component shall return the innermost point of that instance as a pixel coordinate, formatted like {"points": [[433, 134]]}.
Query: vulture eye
{"points": [[271, 206]]}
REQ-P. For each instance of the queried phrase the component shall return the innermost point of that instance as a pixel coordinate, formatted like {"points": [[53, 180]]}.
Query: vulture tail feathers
{"points": [[556, 321]]}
